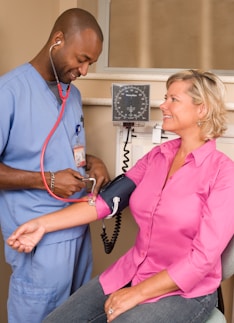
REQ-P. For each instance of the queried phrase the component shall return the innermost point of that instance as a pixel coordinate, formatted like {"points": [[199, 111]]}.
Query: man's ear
{"points": [[58, 37]]}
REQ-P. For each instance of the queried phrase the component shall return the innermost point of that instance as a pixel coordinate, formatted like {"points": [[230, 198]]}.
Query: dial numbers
{"points": [[130, 103]]}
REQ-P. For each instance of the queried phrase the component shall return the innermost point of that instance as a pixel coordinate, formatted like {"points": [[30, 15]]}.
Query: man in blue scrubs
{"points": [[32, 97]]}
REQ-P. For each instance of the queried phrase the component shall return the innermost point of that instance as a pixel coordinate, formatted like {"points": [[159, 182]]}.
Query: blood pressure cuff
{"points": [[122, 188]]}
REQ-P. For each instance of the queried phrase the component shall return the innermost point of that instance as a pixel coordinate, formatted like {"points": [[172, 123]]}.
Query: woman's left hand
{"points": [[121, 301], [26, 236]]}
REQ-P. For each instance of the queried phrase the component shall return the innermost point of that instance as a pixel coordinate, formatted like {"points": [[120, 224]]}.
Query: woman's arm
{"points": [[26, 236]]}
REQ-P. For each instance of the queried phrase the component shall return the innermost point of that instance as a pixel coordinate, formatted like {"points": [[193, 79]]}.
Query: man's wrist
{"points": [[52, 181]]}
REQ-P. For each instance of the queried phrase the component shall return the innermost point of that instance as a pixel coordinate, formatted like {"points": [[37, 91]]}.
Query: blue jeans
{"points": [[87, 305]]}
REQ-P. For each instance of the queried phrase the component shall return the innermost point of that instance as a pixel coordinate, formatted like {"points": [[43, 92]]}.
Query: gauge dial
{"points": [[130, 102]]}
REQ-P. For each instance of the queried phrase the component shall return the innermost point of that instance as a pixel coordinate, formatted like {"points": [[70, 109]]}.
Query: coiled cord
{"points": [[126, 151], [109, 244]]}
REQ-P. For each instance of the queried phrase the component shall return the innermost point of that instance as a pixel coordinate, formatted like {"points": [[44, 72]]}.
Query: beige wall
{"points": [[148, 35], [24, 28]]}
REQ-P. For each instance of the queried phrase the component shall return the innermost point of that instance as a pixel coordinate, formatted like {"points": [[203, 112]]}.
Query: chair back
{"points": [[227, 271], [228, 260]]}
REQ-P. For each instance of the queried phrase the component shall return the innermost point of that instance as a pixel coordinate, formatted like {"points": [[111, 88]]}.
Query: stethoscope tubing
{"points": [[51, 133]]}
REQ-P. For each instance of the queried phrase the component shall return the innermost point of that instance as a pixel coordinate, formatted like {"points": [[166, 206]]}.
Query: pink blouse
{"points": [[183, 226]]}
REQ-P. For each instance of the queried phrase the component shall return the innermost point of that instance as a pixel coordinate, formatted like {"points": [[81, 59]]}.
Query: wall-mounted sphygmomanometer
{"points": [[130, 103], [130, 107]]}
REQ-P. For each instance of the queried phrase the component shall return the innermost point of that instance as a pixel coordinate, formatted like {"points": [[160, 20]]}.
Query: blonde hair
{"points": [[208, 89]]}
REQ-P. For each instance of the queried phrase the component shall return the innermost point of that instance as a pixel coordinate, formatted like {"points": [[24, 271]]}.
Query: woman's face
{"points": [[180, 114]]}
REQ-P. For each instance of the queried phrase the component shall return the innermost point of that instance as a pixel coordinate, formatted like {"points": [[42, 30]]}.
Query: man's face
{"points": [[75, 54]]}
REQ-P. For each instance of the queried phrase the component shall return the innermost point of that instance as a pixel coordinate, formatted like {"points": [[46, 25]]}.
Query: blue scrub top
{"points": [[28, 112]]}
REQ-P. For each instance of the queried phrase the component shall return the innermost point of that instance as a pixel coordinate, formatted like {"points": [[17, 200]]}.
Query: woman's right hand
{"points": [[26, 236]]}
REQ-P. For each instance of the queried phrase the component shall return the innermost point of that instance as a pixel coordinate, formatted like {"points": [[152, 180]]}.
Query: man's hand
{"points": [[67, 182], [97, 169], [26, 236]]}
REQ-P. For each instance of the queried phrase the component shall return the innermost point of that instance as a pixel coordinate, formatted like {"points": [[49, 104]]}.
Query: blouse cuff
{"points": [[102, 208]]}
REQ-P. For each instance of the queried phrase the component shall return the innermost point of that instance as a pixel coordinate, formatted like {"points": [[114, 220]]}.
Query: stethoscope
{"points": [[64, 100]]}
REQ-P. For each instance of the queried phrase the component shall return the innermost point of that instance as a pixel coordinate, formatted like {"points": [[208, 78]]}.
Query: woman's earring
{"points": [[199, 123]]}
